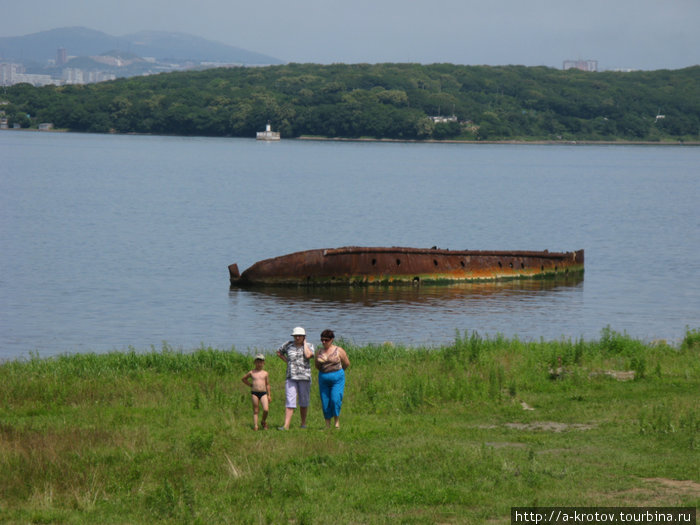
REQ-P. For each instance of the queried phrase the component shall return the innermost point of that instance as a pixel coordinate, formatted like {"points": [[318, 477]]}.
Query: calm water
{"points": [[111, 242]]}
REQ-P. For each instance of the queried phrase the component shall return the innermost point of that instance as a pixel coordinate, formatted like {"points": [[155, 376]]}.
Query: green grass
{"points": [[457, 434]]}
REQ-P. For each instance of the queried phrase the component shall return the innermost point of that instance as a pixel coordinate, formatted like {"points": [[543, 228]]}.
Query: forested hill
{"points": [[393, 101]]}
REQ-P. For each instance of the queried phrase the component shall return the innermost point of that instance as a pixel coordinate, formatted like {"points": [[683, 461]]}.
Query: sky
{"points": [[619, 34]]}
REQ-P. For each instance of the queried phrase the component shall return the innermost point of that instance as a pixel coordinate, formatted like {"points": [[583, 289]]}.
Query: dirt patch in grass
{"points": [[685, 486], [661, 492], [550, 426], [620, 375], [505, 444]]}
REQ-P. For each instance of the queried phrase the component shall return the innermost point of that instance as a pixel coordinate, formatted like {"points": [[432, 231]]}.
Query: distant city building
{"points": [[7, 72], [72, 75], [61, 56], [107, 68], [583, 65], [12, 73], [100, 76], [35, 80]]}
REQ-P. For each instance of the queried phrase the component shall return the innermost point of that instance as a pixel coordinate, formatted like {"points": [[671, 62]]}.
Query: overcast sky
{"points": [[619, 34]]}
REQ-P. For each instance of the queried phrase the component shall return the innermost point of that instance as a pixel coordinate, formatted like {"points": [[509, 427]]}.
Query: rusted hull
{"points": [[369, 266]]}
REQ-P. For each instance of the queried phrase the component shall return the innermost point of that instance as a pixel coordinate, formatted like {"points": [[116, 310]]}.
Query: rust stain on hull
{"points": [[395, 265]]}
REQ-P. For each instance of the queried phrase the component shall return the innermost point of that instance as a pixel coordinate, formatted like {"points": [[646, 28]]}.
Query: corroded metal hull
{"points": [[379, 266]]}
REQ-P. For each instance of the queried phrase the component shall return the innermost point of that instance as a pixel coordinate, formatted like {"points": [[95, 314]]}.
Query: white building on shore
{"points": [[268, 134]]}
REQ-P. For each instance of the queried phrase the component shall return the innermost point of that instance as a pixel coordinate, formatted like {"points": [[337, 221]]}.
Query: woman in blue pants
{"points": [[331, 362]]}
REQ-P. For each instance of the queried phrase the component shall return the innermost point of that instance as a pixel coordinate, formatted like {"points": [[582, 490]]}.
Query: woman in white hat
{"points": [[297, 354]]}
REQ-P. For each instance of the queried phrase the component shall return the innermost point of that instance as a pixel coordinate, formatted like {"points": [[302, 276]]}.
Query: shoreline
{"points": [[538, 142], [513, 142]]}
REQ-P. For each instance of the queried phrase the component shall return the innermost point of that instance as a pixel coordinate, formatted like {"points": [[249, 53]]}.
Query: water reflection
{"points": [[424, 315], [424, 295]]}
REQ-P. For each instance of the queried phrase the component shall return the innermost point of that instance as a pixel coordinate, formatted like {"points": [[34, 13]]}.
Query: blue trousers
{"points": [[331, 386]]}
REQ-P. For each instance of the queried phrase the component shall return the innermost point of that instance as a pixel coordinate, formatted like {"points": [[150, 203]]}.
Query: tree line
{"points": [[394, 101]]}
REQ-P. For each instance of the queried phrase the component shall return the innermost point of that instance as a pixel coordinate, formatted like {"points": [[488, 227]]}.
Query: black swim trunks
{"points": [[259, 394]]}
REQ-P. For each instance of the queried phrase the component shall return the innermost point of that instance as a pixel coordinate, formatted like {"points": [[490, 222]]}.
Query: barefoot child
{"points": [[259, 385]]}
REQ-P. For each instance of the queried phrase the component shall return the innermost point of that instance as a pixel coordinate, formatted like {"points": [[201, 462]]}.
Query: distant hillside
{"points": [[163, 45], [81, 41], [394, 101]]}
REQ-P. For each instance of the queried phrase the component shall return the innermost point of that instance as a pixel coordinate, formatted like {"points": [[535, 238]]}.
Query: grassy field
{"points": [[456, 434]]}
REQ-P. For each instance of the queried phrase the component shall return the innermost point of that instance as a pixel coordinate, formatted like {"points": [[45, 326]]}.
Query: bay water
{"points": [[112, 242]]}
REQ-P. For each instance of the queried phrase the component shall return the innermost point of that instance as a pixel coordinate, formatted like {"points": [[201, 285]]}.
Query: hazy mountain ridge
{"points": [[161, 45]]}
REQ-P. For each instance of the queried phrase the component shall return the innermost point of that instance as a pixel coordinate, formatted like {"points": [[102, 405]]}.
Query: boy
{"points": [[259, 384]]}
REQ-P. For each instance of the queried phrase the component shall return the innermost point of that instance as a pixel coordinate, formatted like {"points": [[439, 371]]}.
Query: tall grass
{"points": [[454, 434]]}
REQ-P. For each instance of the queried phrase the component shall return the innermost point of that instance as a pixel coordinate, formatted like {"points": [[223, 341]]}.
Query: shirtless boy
{"points": [[259, 384]]}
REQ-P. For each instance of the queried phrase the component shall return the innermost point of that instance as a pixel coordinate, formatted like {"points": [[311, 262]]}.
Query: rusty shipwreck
{"points": [[355, 265]]}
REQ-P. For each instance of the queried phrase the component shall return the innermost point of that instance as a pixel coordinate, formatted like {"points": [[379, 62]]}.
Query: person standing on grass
{"points": [[259, 383], [331, 363], [297, 354]]}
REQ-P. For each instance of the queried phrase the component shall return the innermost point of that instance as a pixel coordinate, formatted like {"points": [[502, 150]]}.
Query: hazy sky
{"points": [[635, 34]]}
